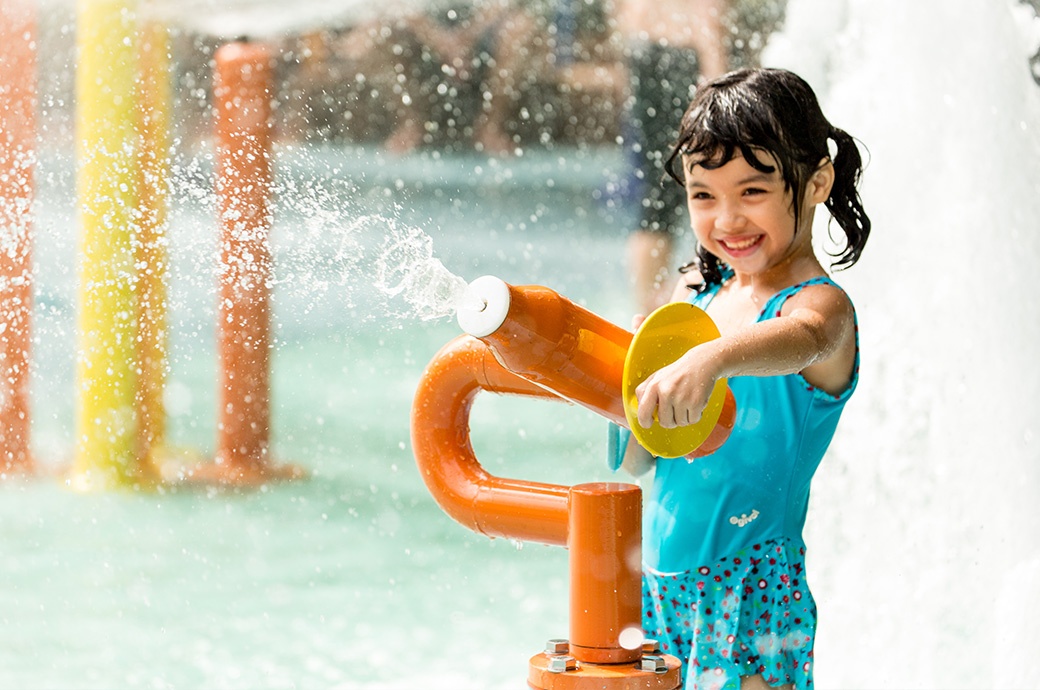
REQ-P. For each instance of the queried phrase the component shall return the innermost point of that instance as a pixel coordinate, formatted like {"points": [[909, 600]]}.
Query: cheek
{"points": [[701, 224]]}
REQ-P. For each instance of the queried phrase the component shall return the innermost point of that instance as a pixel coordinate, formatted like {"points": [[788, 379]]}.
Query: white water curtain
{"points": [[923, 530]]}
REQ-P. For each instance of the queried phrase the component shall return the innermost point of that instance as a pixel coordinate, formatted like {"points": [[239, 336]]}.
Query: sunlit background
{"points": [[510, 157]]}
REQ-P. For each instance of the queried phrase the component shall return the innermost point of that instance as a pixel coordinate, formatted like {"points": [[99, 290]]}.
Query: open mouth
{"points": [[741, 246]]}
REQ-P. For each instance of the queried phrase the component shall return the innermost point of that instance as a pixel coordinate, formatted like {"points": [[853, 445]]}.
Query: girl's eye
{"points": [[700, 195], [750, 191]]}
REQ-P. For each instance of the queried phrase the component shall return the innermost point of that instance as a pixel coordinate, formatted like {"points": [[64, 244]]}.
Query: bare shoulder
{"points": [[829, 300], [828, 310]]}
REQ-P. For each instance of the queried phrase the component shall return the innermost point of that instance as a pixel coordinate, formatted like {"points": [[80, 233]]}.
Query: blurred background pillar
{"points": [[17, 163], [153, 99], [242, 91], [107, 173]]}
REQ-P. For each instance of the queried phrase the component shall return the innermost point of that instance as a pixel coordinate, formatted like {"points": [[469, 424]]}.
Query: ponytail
{"points": [[844, 202]]}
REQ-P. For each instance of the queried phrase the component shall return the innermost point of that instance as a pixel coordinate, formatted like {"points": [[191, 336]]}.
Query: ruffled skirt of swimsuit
{"points": [[750, 613]]}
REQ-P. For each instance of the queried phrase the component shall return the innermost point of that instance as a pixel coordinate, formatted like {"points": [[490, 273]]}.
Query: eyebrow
{"points": [[756, 177]]}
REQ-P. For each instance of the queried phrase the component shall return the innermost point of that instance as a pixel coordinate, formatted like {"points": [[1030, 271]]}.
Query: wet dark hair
{"points": [[775, 111]]}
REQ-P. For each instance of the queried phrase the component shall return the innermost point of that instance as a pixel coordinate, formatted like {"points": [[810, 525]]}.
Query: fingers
{"points": [[650, 400], [671, 413], [671, 417], [647, 405]]}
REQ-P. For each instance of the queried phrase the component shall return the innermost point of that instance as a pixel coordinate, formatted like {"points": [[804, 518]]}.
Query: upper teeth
{"points": [[743, 244]]}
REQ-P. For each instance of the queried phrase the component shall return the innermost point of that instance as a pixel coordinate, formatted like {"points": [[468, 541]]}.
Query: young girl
{"points": [[724, 562]]}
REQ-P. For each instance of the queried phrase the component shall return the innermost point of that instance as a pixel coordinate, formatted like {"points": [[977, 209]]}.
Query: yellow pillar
{"points": [[107, 173], [153, 122], [17, 161]]}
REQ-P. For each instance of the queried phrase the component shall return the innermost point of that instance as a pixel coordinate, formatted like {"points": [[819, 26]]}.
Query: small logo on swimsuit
{"points": [[743, 519]]}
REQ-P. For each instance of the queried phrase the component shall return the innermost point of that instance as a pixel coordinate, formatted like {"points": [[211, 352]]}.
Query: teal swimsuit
{"points": [[724, 582]]}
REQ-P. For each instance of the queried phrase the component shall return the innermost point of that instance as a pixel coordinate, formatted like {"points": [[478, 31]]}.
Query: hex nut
{"points": [[654, 663], [562, 664], [557, 646]]}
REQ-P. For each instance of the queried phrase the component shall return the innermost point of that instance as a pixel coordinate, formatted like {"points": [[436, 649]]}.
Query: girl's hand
{"points": [[678, 392]]}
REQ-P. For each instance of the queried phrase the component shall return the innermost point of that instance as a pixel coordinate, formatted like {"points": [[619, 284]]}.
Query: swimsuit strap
{"points": [[772, 307], [776, 302]]}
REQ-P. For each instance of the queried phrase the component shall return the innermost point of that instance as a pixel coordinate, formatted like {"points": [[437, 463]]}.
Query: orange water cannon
{"points": [[531, 341], [554, 343]]}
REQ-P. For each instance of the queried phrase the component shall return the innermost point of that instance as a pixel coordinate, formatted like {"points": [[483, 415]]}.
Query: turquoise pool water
{"points": [[923, 556], [353, 578]]}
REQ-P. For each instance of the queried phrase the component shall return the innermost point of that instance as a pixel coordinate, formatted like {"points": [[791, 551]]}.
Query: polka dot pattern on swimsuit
{"points": [[750, 613]]}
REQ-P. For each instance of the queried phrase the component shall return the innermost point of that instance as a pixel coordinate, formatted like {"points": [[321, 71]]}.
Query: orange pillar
{"points": [[17, 162], [243, 86]]}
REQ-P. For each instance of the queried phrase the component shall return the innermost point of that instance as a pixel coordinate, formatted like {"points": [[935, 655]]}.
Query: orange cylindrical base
{"points": [[17, 161], [629, 676], [605, 564]]}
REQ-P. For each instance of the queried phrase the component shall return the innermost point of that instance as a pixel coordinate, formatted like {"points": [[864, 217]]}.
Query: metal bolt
{"points": [[562, 664], [651, 646], [557, 646], [654, 663]]}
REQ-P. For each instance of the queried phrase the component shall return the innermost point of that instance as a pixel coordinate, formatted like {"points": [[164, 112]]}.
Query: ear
{"points": [[819, 187]]}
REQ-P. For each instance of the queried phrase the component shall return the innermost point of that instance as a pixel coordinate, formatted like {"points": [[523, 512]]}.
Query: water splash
{"points": [[361, 253], [407, 267]]}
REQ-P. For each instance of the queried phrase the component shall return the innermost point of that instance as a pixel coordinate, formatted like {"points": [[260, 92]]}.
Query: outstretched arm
{"points": [[814, 335]]}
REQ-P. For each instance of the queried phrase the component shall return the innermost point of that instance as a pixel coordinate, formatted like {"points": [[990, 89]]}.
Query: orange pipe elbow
{"points": [[490, 505]]}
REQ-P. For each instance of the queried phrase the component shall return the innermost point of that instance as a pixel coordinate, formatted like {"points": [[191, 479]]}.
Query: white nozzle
{"points": [[493, 294]]}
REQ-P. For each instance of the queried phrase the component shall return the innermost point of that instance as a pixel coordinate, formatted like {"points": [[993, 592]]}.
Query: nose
{"points": [[730, 217]]}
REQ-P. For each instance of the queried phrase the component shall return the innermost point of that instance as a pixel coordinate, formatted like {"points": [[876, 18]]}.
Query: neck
{"points": [[791, 270]]}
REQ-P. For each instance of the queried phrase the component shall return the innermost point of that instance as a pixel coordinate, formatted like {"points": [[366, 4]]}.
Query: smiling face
{"points": [[745, 215]]}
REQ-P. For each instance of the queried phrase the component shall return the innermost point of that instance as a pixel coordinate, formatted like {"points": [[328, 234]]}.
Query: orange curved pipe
{"points": [[598, 523], [484, 503]]}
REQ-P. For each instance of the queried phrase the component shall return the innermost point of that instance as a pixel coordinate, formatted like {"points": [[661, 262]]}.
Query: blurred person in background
{"points": [[466, 58]]}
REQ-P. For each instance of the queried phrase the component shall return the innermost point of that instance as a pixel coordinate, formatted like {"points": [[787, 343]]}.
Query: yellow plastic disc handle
{"points": [[666, 335]]}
